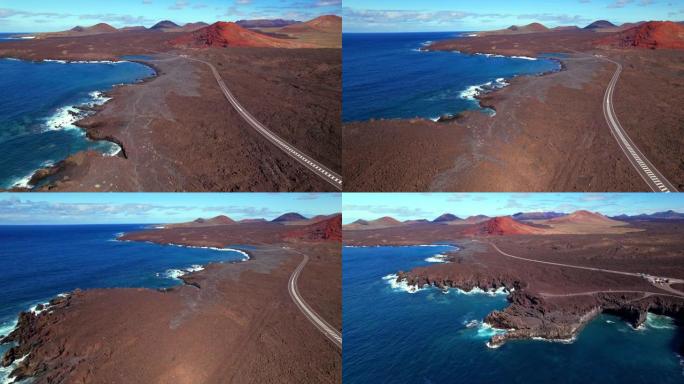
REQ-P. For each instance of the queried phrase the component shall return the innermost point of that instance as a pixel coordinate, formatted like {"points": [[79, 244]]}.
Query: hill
{"points": [[650, 35], [476, 219], [447, 218], [583, 217], [329, 229], [383, 222], [266, 23], [96, 29], [202, 222], [290, 216], [503, 226], [223, 34], [666, 215], [191, 27], [517, 30], [536, 215], [327, 23], [133, 28], [600, 24], [165, 25]]}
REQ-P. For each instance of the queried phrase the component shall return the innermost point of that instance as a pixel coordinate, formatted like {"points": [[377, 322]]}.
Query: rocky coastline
{"points": [[42, 175], [530, 315]]}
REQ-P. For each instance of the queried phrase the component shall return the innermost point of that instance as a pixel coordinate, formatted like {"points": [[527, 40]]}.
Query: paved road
{"points": [[662, 286], [653, 178], [329, 331], [307, 161]]}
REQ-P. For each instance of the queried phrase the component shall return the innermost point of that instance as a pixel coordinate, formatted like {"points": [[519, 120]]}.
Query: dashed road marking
{"points": [[655, 180]]}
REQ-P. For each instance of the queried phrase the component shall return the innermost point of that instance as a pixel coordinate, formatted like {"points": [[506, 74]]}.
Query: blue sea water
{"points": [[37, 111], [39, 262], [392, 336], [386, 76]]}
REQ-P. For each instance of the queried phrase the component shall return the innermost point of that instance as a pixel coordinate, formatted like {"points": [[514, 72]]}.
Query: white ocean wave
{"points": [[7, 327], [244, 254], [60, 61], [401, 285], [473, 91], [562, 341], [479, 291], [400, 246], [175, 273], [485, 330], [438, 258], [659, 322], [510, 57], [25, 181], [524, 58]]}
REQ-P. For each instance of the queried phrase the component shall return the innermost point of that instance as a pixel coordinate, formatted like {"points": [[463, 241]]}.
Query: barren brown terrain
{"points": [[549, 132], [556, 282], [230, 323], [177, 130]]}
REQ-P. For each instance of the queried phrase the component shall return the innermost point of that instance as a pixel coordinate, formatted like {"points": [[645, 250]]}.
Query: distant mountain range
{"points": [[666, 215], [536, 215], [266, 23], [528, 219]]}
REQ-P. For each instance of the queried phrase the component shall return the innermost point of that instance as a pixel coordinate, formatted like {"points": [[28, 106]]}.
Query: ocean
{"points": [[386, 76], [37, 111], [393, 336], [40, 262]]}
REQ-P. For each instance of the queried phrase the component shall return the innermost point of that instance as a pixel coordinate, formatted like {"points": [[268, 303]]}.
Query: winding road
{"points": [[329, 331], [653, 178], [307, 161], [664, 286]]}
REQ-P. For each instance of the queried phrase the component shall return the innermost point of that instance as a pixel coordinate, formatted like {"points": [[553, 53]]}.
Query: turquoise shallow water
{"points": [[392, 336], [37, 111]]}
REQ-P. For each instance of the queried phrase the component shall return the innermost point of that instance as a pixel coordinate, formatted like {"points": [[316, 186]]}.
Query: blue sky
{"points": [[102, 208], [451, 15], [405, 206], [48, 16]]}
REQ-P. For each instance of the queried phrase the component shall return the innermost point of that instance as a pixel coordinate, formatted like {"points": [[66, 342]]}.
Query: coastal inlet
{"points": [[41, 262], [421, 84], [397, 333], [39, 104]]}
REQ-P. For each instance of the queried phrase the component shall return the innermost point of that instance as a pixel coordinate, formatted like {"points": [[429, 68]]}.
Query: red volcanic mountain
{"points": [[584, 217], [218, 220], [529, 28], [517, 30], [223, 34], [202, 222], [97, 28], [329, 230], [502, 226], [327, 23], [652, 35]]}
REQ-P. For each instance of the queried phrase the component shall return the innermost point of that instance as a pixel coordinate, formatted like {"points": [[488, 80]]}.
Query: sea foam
{"points": [[401, 285], [659, 322], [473, 91], [438, 258], [177, 273]]}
